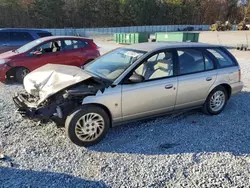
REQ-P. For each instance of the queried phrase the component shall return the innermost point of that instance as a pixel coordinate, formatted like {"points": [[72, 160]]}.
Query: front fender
{"points": [[110, 99]]}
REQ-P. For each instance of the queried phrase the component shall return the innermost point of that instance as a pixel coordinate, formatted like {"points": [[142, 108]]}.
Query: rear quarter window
{"points": [[79, 43], [224, 60], [73, 44]]}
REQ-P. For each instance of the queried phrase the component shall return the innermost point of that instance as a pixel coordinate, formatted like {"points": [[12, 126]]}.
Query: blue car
{"points": [[11, 39]]}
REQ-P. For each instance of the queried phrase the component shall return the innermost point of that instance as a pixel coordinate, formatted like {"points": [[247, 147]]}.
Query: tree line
{"points": [[116, 13]]}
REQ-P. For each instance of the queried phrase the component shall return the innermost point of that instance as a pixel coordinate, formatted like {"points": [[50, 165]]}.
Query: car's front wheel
{"points": [[21, 73], [216, 101], [87, 126]]}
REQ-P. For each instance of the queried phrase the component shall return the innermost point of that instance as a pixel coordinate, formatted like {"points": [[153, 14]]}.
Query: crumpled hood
{"points": [[50, 79]]}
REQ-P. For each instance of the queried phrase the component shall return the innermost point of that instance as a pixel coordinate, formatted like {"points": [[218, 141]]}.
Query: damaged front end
{"points": [[50, 109], [55, 99]]}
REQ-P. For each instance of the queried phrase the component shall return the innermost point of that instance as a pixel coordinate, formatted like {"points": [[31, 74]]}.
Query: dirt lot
{"points": [[183, 150]]}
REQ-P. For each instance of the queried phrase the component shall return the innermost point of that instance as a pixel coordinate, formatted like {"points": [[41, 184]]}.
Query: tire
{"points": [[209, 108], [87, 135], [20, 74]]}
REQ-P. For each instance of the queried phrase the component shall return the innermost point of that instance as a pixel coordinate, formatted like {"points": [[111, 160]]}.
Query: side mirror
{"points": [[36, 53], [135, 78]]}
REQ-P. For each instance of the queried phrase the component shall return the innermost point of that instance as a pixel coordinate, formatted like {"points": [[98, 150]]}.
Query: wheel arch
{"points": [[225, 85], [228, 88], [102, 107], [13, 69]]}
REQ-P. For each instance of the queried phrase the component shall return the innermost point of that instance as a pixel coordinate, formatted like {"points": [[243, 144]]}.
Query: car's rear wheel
{"points": [[87, 126], [216, 101], [21, 73]]}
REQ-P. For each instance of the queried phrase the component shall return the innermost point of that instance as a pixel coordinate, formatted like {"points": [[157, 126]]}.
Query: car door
{"points": [[4, 42], [157, 93], [46, 53], [72, 52], [197, 73]]}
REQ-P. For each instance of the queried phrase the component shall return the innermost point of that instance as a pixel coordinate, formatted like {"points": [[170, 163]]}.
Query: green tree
{"points": [[115, 13], [48, 13]]}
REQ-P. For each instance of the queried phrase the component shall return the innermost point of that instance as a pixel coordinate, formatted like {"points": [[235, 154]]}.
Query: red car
{"points": [[74, 51]]}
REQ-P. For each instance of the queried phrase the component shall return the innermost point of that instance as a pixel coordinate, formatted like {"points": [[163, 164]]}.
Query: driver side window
{"points": [[52, 46], [157, 66]]}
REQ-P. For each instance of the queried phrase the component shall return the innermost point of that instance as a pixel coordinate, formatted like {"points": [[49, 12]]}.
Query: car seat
{"points": [[163, 68], [56, 47]]}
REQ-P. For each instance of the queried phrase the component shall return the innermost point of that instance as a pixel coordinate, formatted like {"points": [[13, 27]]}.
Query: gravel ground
{"points": [[181, 150]]}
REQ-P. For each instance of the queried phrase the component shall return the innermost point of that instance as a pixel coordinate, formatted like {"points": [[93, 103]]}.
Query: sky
{"points": [[242, 2]]}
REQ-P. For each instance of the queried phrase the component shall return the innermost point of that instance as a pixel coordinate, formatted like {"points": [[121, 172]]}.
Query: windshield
{"points": [[28, 46], [113, 64]]}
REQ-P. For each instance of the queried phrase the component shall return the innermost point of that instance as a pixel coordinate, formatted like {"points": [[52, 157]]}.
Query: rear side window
{"points": [[223, 59], [67, 45], [73, 44], [21, 36], [4, 37], [193, 61], [41, 35], [190, 61], [79, 44]]}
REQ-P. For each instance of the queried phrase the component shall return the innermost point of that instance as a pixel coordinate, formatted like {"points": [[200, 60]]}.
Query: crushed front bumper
{"points": [[47, 112], [29, 111], [22, 107]]}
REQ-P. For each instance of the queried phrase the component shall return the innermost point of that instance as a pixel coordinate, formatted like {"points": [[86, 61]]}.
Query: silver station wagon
{"points": [[130, 83]]}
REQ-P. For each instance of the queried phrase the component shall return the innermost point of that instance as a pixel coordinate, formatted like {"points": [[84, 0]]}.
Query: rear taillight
{"points": [[239, 75], [93, 45]]}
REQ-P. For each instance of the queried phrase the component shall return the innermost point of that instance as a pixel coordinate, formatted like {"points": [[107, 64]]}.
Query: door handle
{"points": [[209, 79], [5, 44], [170, 86]]}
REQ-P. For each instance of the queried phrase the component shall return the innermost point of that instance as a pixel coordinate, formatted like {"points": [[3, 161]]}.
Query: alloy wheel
{"points": [[217, 101]]}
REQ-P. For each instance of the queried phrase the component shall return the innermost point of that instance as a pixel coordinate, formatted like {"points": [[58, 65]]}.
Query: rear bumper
{"points": [[237, 87]]}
